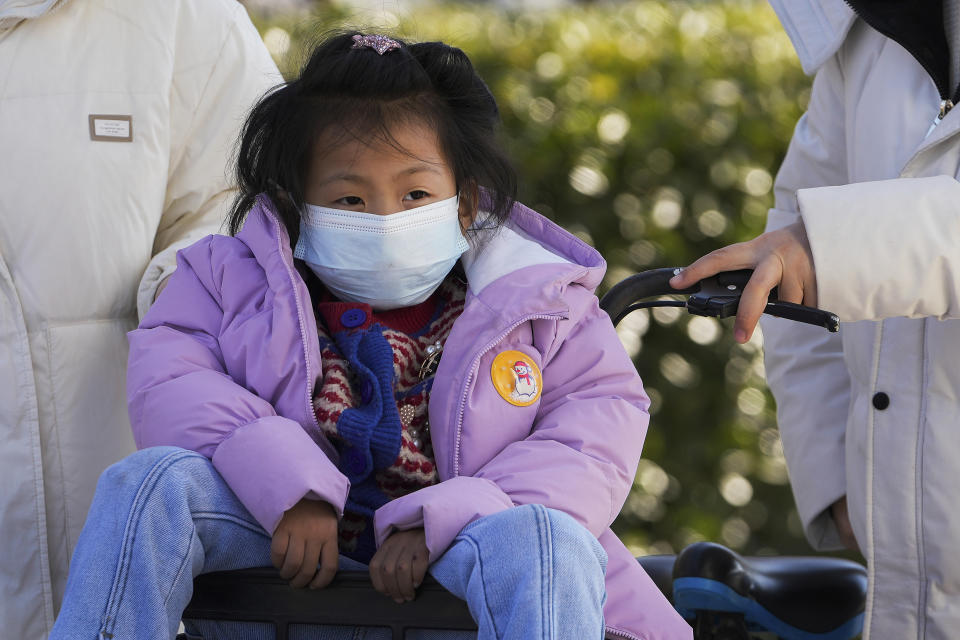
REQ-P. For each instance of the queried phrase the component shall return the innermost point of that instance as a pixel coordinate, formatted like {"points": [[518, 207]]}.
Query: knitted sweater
{"points": [[372, 400]]}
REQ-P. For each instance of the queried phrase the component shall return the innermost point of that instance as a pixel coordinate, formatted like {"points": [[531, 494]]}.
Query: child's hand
{"points": [[306, 535], [398, 566]]}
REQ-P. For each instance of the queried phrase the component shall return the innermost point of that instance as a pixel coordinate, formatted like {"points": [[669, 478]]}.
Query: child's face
{"points": [[379, 178]]}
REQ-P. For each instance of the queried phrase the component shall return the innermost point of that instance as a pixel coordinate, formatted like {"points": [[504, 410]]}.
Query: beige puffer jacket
{"points": [[91, 213], [874, 412]]}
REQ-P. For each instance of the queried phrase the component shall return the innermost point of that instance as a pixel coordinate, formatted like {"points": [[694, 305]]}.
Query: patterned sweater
{"points": [[372, 401]]}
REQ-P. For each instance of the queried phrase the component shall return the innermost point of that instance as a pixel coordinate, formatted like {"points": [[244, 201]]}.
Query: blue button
{"points": [[366, 391], [353, 318]]}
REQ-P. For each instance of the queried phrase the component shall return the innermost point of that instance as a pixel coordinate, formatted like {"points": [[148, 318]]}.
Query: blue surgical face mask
{"points": [[389, 261]]}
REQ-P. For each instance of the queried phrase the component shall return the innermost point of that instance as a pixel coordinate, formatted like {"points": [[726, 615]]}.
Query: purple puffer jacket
{"points": [[226, 361]]}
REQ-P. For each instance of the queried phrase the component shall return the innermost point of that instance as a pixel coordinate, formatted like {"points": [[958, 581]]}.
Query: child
{"points": [[293, 364]]}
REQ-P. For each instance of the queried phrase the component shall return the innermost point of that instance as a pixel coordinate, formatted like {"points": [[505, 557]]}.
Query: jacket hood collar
{"points": [[13, 12], [528, 239], [817, 28], [264, 233]]}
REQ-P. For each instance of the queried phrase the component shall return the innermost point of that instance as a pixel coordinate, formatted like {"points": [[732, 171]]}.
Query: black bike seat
{"points": [[660, 569], [818, 595]]}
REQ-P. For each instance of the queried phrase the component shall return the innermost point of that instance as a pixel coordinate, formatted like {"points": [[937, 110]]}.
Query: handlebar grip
{"points": [[718, 296], [647, 284], [800, 313]]}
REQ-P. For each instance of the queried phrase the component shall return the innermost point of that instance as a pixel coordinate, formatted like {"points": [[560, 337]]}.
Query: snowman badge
{"points": [[516, 378], [524, 384]]}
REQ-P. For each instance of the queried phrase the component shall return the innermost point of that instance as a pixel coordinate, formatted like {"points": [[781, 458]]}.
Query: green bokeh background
{"points": [[651, 130]]}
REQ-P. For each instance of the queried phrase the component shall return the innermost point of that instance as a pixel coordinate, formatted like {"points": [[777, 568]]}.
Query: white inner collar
{"points": [[497, 252]]}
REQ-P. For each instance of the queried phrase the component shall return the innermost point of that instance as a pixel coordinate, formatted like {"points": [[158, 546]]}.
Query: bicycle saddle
{"points": [[660, 570], [796, 598]]}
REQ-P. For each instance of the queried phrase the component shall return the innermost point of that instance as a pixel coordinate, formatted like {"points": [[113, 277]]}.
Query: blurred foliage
{"points": [[649, 129]]}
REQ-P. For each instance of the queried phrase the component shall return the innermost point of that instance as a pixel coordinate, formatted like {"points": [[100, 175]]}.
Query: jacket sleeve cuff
{"points": [[443, 510], [272, 463], [887, 248]]}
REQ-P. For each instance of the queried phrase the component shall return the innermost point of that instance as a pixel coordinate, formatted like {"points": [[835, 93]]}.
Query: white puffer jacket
{"points": [[874, 412], [88, 219]]}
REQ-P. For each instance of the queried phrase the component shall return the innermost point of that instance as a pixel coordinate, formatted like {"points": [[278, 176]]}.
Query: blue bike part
{"points": [[702, 594]]}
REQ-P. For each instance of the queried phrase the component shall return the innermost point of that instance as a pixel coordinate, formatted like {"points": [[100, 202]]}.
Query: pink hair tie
{"points": [[380, 44]]}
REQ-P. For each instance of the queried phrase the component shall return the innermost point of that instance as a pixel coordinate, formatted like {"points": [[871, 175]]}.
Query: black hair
{"points": [[361, 93]]}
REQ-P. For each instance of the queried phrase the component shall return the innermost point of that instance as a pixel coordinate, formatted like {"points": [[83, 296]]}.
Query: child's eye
{"points": [[351, 201], [417, 194]]}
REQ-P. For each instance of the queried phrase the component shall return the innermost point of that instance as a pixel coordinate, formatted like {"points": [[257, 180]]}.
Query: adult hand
{"points": [[399, 565], [841, 517], [780, 257], [306, 536]]}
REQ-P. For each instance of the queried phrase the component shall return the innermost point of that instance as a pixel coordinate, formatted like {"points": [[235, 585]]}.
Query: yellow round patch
{"points": [[516, 378]]}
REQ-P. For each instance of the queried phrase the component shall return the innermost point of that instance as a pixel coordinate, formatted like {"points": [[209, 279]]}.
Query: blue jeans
{"points": [[164, 515]]}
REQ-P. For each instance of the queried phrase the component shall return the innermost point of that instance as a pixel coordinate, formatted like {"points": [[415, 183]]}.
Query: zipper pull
{"points": [[945, 106]]}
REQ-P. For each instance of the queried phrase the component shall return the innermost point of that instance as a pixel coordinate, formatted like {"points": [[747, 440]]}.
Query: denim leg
{"points": [[159, 517], [528, 573], [164, 515]]}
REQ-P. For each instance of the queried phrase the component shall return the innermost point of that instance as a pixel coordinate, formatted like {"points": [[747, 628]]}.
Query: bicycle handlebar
{"points": [[717, 296]]}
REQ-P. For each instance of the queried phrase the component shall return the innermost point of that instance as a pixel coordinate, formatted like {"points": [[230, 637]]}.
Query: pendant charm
{"points": [[407, 412], [432, 361]]}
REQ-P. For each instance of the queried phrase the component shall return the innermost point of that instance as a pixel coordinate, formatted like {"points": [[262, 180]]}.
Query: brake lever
{"points": [[800, 313], [719, 296]]}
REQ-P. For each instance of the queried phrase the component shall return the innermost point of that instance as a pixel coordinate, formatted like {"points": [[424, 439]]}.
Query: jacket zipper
{"points": [[473, 367], [619, 633], [303, 334], [945, 106]]}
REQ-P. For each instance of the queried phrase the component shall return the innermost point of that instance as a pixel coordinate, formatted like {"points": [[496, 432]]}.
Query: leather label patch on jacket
{"points": [[516, 378], [111, 128]]}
